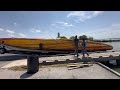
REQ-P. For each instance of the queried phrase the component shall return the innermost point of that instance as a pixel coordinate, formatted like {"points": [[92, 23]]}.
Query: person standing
{"points": [[76, 41], [84, 45]]}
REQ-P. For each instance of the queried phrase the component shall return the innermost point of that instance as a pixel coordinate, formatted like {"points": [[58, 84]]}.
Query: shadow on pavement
{"points": [[25, 75], [12, 58]]}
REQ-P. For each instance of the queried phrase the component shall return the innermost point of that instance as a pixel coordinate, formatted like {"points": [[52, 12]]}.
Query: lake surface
{"points": [[116, 45]]}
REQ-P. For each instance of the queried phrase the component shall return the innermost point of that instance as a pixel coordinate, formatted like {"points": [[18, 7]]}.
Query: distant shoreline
{"points": [[106, 40]]}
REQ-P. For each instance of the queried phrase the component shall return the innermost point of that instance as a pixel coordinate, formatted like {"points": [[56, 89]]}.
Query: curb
{"points": [[109, 69]]}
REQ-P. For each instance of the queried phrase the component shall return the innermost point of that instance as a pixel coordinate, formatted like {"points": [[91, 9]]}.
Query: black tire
{"points": [[2, 50]]}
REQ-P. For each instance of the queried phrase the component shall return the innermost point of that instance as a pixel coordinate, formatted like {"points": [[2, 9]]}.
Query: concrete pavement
{"points": [[60, 72], [57, 71]]}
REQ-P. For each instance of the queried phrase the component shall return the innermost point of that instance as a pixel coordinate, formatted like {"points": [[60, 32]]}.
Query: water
{"points": [[116, 47]]}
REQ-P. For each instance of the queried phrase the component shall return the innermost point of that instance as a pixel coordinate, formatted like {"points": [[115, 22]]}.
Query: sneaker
{"points": [[77, 55], [87, 54]]}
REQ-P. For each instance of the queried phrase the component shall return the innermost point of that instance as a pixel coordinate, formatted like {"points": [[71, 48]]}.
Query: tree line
{"points": [[79, 37]]}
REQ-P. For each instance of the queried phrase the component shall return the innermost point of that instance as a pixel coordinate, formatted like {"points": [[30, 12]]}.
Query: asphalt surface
{"points": [[7, 54], [8, 58]]}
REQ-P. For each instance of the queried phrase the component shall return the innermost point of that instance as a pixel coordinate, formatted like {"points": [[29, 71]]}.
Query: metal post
{"points": [[32, 64]]}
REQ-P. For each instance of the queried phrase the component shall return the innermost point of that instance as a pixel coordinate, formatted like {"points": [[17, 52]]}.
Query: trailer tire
{"points": [[2, 50]]}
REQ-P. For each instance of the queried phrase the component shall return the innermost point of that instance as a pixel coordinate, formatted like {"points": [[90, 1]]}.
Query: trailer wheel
{"points": [[2, 50]]}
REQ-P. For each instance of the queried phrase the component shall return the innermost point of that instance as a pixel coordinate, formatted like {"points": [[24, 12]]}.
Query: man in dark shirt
{"points": [[84, 45], [41, 46], [76, 41]]}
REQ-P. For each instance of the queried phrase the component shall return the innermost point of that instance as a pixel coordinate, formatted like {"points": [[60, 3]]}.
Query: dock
{"points": [[61, 72], [55, 67]]}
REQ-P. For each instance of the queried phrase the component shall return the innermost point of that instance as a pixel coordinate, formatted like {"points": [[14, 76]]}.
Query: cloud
{"points": [[112, 31], [1, 29], [84, 15], [11, 35], [53, 24], [22, 35], [10, 31], [61, 25], [69, 25], [64, 24], [36, 30], [15, 24], [95, 13]]}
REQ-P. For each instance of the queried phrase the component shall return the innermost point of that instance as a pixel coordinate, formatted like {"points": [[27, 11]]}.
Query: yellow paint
{"points": [[54, 44]]}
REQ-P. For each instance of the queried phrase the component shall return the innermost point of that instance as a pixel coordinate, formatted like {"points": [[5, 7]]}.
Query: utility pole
{"points": [[58, 35]]}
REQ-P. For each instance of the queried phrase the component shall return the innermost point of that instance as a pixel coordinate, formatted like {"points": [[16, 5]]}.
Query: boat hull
{"points": [[52, 44]]}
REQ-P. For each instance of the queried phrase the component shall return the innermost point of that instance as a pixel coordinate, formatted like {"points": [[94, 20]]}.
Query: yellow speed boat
{"points": [[48, 45]]}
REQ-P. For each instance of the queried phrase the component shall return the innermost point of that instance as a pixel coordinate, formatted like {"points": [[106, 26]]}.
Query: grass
{"points": [[23, 67], [114, 67], [18, 68], [117, 69]]}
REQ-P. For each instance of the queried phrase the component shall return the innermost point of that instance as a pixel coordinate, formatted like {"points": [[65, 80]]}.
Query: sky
{"points": [[46, 24]]}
